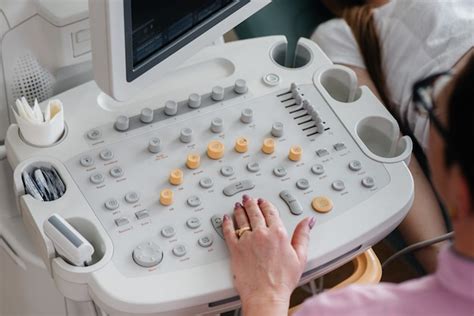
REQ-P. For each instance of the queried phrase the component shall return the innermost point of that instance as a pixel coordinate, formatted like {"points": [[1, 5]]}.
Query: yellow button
{"points": [[241, 145], [166, 197], [322, 204], [295, 153], [215, 150], [268, 146], [176, 177], [193, 161]]}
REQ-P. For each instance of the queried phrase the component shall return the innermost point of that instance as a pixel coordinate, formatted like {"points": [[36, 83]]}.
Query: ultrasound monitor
{"points": [[137, 42]]}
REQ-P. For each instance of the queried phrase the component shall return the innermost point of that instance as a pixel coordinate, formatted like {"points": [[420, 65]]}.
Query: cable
{"points": [[3, 152], [418, 246]]}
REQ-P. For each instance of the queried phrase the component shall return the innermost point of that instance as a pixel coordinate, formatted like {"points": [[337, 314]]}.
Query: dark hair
{"points": [[461, 123]]}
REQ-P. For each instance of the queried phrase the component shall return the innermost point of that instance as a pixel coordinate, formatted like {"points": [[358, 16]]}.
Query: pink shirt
{"points": [[450, 291]]}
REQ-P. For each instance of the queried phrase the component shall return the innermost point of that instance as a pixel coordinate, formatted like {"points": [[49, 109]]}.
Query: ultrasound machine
{"points": [[122, 211]]}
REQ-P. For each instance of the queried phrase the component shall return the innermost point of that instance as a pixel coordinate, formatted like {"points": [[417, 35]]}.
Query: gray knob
{"points": [[316, 117], [246, 116], [217, 125], [171, 108], [154, 145], [307, 105], [147, 254], [146, 115], [186, 135], [299, 99], [217, 93], [194, 101], [277, 129], [320, 127], [240, 86], [122, 123]]}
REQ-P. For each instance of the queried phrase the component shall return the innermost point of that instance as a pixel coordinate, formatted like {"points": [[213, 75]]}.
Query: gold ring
{"points": [[241, 231]]}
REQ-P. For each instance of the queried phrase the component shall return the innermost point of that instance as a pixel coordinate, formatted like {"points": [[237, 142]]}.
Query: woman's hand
{"points": [[267, 265]]}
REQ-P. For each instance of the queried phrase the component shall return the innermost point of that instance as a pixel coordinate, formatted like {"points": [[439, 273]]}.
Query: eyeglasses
{"points": [[424, 93]]}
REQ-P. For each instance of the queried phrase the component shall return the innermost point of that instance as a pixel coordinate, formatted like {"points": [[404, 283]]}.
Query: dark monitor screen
{"points": [[155, 29]]}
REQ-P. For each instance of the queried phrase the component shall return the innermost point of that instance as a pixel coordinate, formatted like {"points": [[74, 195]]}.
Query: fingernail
{"points": [[226, 217], [245, 198], [260, 201], [312, 222], [237, 205]]}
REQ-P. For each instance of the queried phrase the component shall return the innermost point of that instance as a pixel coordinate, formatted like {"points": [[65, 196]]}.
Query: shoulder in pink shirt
{"points": [[450, 291]]}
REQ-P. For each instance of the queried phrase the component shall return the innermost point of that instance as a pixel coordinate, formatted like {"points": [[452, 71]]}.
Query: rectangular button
{"points": [[322, 152], [217, 224], [293, 204], [238, 187], [122, 221], [142, 214], [339, 146]]}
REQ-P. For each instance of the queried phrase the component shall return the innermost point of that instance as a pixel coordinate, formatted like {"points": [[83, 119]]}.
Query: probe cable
{"points": [[416, 247]]}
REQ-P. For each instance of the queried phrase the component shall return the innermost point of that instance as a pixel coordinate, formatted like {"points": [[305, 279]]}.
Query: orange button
{"points": [[215, 150], [322, 204], [166, 197], [193, 161], [241, 145], [268, 146], [296, 152], [176, 177]]}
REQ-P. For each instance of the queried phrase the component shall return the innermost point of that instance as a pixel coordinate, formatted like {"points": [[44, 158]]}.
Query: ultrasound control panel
{"points": [[161, 194], [148, 182]]}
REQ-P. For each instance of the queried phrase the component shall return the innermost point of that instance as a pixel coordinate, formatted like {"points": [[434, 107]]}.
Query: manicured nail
{"points": [[260, 201], [245, 198], [237, 205], [226, 217], [312, 222]]}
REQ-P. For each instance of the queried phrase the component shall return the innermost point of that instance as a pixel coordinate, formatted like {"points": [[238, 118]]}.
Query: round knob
{"points": [[322, 204], [171, 108], [146, 115], [268, 146], [217, 125], [241, 145], [186, 135], [166, 197], [240, 86], [154, 145], [246, 116], [277, 129], [193, 161], [218, 93], [147, 255], [296, 152], [176, 177], [194, 101], [215, 150], [122, 123]]}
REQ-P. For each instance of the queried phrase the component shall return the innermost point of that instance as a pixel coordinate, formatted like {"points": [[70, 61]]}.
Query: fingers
{"points": [[240, 216], [253, 212], [270, 213], [300, 239], [229, 233]]}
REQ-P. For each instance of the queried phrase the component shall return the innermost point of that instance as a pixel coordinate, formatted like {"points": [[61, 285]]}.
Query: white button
{"points": [[355, 165], [368, 182], [112, 204], [132, 197], [272, 79], [338, 185]]}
